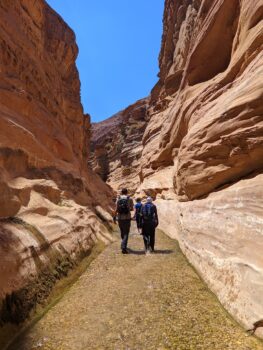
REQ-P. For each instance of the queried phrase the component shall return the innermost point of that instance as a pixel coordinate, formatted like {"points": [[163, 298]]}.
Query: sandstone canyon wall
{"points": [[202, 156], [52, 207], [116, 146]]}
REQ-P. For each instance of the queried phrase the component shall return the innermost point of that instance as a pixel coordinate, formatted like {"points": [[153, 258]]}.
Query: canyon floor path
{"points": [[138, 302]]}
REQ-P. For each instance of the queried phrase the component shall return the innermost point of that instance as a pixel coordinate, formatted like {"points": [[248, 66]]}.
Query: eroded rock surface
{"points": [[206, 110], [49, 197], [116, 146], [202, 154], [205, 136]]}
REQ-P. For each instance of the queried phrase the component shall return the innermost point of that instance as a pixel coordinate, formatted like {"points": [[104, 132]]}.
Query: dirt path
{"points": [[138, 302]]}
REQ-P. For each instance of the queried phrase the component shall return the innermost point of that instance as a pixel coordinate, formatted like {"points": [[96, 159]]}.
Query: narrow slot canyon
{"points": [[195, 145]]}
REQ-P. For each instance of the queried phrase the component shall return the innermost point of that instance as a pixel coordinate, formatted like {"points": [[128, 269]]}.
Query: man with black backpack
{"points": [[124, 206], [149, 223]]}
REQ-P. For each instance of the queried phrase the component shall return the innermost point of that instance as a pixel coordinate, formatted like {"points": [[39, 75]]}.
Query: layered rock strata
{"points": [[202, 156], [203, 147], [206, 110], [49, 198], [116, 146]]}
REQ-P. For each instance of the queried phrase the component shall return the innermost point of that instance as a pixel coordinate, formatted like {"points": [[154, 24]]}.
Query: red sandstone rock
{"points": [[45, 181], [205, 136], [206, 110], [202, 152], [200, 155], [116, 145]]}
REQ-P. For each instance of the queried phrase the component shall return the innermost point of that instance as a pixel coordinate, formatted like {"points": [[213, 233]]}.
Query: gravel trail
{"points": [[138, 302]]}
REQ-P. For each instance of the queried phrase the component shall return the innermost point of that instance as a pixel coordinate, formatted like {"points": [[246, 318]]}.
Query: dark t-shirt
{"points": [[125, 216]]}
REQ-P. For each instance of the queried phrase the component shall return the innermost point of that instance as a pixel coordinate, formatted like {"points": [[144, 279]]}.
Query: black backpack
{"points": [[138, 208], [123, 206], [148, 212]]}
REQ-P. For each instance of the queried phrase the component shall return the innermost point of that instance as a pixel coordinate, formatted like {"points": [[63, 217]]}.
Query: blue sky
{"points": [[119, 43]]}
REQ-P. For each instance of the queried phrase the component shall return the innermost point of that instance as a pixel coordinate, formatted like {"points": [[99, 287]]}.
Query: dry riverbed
{"points": [[138, 302]]}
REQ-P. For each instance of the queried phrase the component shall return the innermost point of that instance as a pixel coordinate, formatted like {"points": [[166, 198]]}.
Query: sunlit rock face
{"points": [[49, 197], [221, 235], [202, 154], [205, 137], [206, 110], [116, 146]]}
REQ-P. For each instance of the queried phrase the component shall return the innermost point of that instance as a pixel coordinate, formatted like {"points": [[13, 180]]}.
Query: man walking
{"points": [[138, 214], [149, 223], [124, 206]]}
